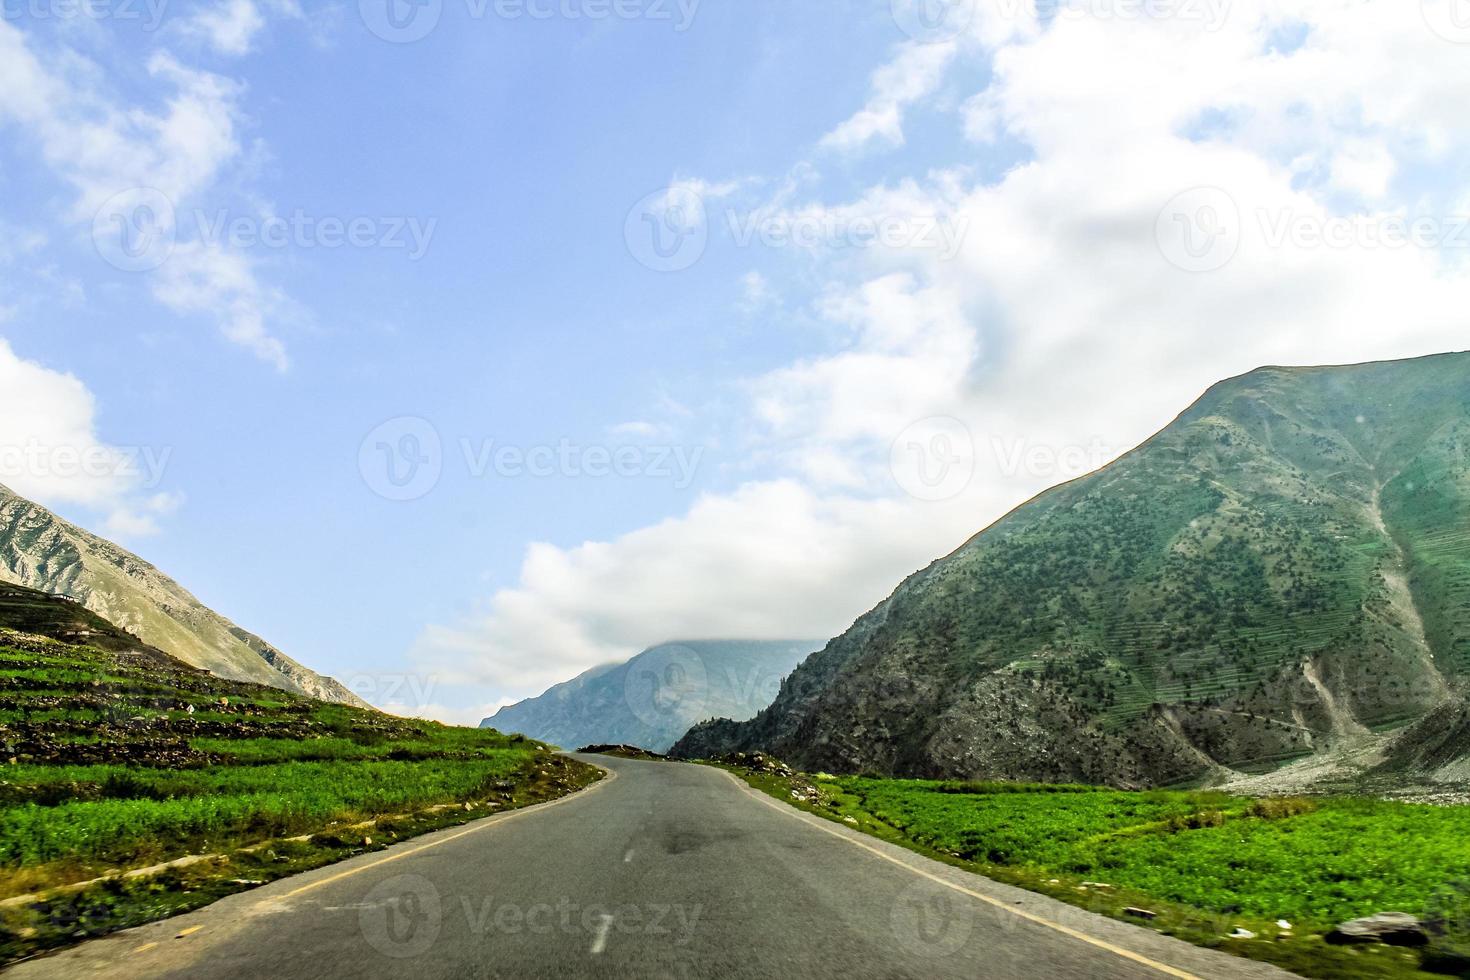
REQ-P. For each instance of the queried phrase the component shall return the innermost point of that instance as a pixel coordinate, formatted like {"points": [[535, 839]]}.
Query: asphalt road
{"points": [[664, 870]]}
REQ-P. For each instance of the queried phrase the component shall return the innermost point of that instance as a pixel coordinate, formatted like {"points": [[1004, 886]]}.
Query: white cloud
{"points": [[1058, 330], [759, 563], [228, 26], [1364, 169], [209, 280], [756, 292], [231, 27], [637, 430], [913, 74], [50, 450], [101, 147], [140, 519]]}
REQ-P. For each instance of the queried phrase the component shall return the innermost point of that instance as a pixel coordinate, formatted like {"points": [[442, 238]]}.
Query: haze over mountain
{"points": [[1284, 566], [44, 552], [653, 698]]}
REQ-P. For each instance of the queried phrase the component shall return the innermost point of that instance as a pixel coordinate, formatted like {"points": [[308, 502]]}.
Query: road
{"points": [[662, 870]]}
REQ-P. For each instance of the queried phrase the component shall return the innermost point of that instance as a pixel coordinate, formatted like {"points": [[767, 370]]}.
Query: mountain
{"points": [[652, 699], [44, 552], [1283, 568]]}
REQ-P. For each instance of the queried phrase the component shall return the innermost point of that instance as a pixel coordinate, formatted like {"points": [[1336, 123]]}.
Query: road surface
{"points": [[662, 870]]}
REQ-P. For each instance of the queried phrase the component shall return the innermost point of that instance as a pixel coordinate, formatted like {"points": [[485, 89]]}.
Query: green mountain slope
{"points": [[42, 551], [1286, 564], [652, 699]]}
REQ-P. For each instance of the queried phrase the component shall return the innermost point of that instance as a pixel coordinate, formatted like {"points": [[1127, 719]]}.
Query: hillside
{"points": [[652, 699], [119, 757], [1285, 566], [42, 551]]}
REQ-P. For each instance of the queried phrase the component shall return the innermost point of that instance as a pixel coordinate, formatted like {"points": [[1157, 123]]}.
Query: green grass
{"points": [[1205, 862], [1328, 861], [127, 815], [103, 767]]}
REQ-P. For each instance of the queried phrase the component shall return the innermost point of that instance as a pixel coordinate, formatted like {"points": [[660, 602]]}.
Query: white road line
{"points": [[599, 941], [819, 824]]}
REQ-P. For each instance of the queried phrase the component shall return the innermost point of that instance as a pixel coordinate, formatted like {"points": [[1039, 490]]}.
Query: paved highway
{"points": [[663, 870]]}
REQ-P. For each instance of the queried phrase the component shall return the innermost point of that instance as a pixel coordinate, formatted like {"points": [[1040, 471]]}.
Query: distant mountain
{"points": [[1285, 566], [652, 699], [44, 552]]}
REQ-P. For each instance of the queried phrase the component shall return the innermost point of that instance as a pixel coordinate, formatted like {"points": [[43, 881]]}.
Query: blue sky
{"points": [[947, 250]]}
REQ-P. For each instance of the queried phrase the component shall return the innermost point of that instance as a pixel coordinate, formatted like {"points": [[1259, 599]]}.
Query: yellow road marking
{"points": [[1126, 954], [188, 932], [145, 947], [486, 825]]}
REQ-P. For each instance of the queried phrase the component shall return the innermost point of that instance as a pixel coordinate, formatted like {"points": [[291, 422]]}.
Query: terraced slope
{"points": [[42, 551], [117, 757], [1286, 564]]}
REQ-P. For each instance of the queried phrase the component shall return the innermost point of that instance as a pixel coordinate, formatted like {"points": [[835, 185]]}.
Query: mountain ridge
{"points": [[1187, 610], [42, 551], [653, 697]]}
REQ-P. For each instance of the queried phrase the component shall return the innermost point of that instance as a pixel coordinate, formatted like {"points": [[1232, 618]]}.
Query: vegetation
{"points": [[1206, 863], [117, 757], [1288, 561]]}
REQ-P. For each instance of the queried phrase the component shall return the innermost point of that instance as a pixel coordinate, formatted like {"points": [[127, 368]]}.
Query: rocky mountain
{"points": [[44, 552], [1283, 568], [652, 699]]}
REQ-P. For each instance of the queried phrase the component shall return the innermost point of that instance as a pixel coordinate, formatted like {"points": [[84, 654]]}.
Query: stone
{"points": [[1392, 928]]}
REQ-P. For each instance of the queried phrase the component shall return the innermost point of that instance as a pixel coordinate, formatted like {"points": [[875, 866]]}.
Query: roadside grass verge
{"points": [[1205, 863], [105, 769]]}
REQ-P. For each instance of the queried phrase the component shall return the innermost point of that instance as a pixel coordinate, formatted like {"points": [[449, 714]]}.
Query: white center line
{"points": [[599, 941]]}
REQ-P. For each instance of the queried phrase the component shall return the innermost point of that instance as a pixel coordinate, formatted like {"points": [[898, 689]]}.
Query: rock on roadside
{"points": [[1392, 928]]}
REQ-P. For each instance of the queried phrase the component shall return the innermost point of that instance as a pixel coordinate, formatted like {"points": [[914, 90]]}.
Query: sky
{"points": [[457, 346]]}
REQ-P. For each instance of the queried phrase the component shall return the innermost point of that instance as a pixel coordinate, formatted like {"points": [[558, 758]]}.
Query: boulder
{"points": [[1392, 928]]}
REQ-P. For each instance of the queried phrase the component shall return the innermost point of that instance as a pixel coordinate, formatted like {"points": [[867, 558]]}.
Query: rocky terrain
{"points": [[652, 699], [1281, 572], [44, 552]]}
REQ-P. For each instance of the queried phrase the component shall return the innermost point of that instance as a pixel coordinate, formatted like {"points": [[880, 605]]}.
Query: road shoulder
{"points": [[1155, 954]]}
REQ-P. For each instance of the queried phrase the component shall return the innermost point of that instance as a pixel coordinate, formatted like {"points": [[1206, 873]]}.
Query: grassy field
{"points": [[114, 757], [1206, 863]]}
